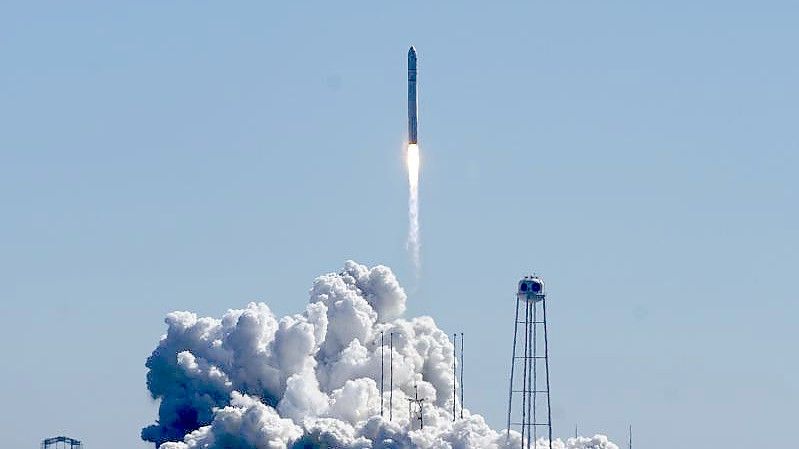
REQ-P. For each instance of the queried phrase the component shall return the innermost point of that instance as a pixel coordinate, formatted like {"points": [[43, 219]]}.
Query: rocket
{"points": [[412, 107]]}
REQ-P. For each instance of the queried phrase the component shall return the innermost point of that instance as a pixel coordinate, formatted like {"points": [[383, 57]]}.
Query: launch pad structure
{"points": [[529, 396], [61, 442]]}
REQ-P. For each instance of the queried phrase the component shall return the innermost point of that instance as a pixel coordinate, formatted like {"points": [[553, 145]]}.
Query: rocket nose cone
{"points": [[412, 51]]}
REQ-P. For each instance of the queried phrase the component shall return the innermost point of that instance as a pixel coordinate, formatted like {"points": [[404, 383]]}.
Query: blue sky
{"points": [[197, 155]]}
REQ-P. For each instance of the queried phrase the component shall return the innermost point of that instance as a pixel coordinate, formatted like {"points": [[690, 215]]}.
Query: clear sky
{"points": [[196, 155]]}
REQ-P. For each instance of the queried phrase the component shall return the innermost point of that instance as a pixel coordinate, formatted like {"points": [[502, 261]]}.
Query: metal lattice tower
{"points": [[528, 398], [61, 442], [416, 409]]}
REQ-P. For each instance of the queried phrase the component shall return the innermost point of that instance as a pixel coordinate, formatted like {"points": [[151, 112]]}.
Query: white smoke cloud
{"points": [[312, 380]]}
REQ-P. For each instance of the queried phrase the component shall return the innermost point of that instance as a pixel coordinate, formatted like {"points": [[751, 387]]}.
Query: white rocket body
{"points": [[412, 107]]}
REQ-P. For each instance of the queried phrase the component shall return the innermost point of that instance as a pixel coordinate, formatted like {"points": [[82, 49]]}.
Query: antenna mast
{"points": [[391, 378], [461, 375], [630, 433], [454, 377]]}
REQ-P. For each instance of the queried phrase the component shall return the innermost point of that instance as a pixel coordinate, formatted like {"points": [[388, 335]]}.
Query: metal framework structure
{"points": [[416, 409], [61, 442], [529, 395]]}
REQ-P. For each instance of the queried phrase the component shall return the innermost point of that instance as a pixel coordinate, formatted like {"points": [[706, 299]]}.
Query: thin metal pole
{"points": [[546, 360], [454, 383], [512, 363], [461, 375], [391, 379], [630, 444]]}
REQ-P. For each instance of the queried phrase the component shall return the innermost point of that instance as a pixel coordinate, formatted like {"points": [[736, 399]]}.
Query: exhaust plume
{"points": [[251, 380], [414, 244]]}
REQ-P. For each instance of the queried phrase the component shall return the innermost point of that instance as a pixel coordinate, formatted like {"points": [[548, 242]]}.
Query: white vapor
{"points": [[414, 243], [251, 380]]}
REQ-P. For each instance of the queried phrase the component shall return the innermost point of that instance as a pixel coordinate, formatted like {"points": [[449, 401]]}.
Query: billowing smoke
{"points": [[312, 380]]}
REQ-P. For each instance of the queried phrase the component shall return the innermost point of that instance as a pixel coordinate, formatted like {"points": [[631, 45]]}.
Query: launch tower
{"points": [[528, 397]]}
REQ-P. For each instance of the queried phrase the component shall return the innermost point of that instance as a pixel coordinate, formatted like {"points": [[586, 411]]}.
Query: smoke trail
{"points": [[413, 206]]}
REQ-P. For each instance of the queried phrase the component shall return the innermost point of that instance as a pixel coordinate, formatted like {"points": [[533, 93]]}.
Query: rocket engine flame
{"points": [[412, 161]]}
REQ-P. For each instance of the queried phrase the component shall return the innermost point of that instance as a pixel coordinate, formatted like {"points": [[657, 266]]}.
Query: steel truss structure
{"points": [[529, 405]]}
